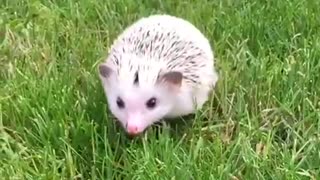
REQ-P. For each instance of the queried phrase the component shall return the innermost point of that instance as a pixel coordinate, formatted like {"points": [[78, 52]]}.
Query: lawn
{"points": [[262, 122]]}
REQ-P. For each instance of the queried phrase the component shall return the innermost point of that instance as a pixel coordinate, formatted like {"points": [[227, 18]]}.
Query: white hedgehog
{"points": [[160, 67]]}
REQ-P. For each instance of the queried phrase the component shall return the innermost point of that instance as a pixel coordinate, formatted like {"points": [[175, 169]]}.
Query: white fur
{"points": [[153, 59]]}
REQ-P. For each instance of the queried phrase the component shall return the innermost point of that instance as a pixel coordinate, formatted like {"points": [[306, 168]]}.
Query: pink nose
{"points": [[132, 130]]}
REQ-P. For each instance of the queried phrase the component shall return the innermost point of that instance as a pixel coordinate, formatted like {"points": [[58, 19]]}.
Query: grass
{"points": [[263, 121]]}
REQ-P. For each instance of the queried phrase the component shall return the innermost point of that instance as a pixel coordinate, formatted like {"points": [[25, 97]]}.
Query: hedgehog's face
{"points": [[139, 107]]}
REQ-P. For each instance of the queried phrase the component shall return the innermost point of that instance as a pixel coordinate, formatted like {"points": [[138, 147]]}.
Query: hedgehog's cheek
{"points": [[135, 124]]}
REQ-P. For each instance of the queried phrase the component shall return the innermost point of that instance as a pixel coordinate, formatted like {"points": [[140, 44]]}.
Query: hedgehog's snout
{"points": [[135, 124]]}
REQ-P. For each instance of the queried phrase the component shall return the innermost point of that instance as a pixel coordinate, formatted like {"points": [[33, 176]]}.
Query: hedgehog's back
{"points": [[162, 43]]}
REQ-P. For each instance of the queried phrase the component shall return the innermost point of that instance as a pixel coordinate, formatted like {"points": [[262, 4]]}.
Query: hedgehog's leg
{"points": [[201, 97]]}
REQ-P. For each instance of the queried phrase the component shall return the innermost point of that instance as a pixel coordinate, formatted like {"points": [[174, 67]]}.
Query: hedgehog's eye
{"points": [[120, 103], [151, 103]]}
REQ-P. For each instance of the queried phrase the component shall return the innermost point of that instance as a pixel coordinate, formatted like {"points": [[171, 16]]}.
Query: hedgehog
{"points": [[159, 67]]}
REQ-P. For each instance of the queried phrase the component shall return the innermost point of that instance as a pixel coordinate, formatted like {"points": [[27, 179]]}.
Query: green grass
{"points": [[263, 121]]}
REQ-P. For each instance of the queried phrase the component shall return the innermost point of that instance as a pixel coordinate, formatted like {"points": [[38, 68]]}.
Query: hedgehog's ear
{"points": [[173, 79], [105, 71]]}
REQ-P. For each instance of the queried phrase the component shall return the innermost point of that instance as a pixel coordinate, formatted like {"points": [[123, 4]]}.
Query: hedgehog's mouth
{"points": [[155, 126]]}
